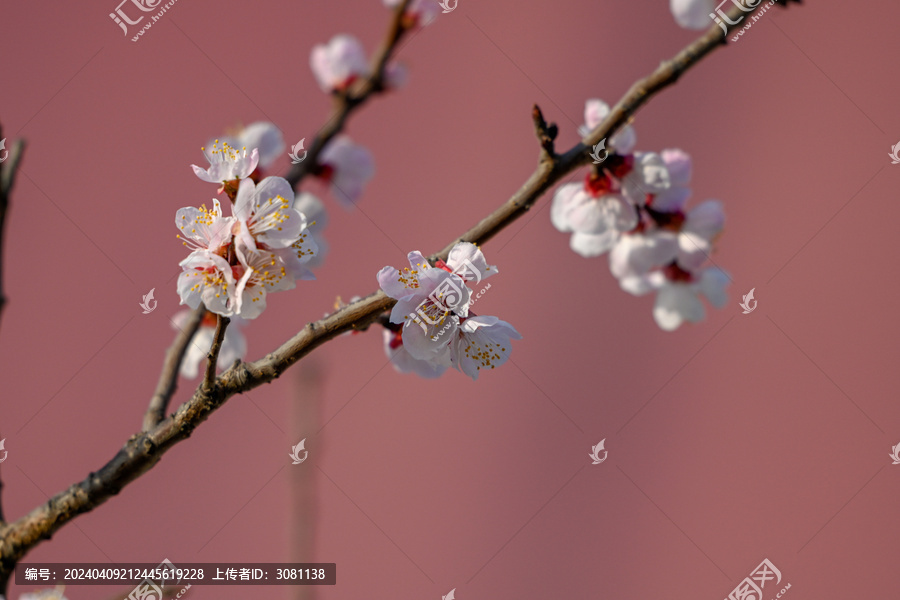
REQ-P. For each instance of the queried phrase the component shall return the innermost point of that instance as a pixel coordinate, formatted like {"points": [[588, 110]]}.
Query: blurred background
{"points": [[741, 438]]}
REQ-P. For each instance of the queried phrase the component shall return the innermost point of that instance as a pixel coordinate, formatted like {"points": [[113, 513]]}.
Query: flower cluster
{"points": [[262, 247], [633, 206], [269, 142], [434, 328]]}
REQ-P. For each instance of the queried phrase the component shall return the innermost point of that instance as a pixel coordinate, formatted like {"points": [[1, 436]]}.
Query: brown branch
{"points": [[213, 356], [347, 101], [168, 378], [8, 172], [145, 449]]}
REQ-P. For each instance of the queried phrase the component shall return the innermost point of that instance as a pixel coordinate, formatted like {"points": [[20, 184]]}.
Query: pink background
{"points": [[741, 438]]}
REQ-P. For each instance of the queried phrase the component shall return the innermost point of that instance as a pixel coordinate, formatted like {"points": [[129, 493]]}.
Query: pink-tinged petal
{"points": [[396, 75], [389, 279], [638, 285], [338, 63], [693, 251], [706, 219], [671, 200], [637, 254], [202, 174], [467, 261], [483, 343], [602, 214], [425, 337], [566, 197], [266, 138], [676, 303], [595, 111], [679, 164], [417, 262], [692, 14], [593, 244], [649, 176], [712, 284], [351, 176], [275, 187], [312, 208], [245, 200], [404, 363]]}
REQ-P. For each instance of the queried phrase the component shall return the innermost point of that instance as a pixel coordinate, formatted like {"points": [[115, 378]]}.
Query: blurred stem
{"points": [[349, 100], [168, 378]]}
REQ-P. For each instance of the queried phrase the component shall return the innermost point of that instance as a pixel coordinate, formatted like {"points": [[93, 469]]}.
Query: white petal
{"points": [[590, 244], [676, 303], [467, 261], [692, 14], [712, 284], [266, 137]]}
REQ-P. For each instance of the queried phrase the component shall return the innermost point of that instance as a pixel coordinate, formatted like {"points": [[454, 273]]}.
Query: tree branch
{"points": [[8, 173], [168, 378], [213, 356], [144, 450], [355, 96]]}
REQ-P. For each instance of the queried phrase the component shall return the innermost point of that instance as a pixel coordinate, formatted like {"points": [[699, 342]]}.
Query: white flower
{"points": [[482, 343], [430, 301], [234, 345], [576, 208], [692, 14], [348, 167], [404, 362], [420, 12], [204, 229], [207, 277], [265, 137], [339, 63], [648, 175], [266, 214], [678, 298], [227, 163], [595, 111], [237, 260], [314, 211]]}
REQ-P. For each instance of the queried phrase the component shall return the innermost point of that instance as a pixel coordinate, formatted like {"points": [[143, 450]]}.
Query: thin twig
{"points": [[142, 451], [8, 172], [353, 97], [168, 378], [213, 356]]}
